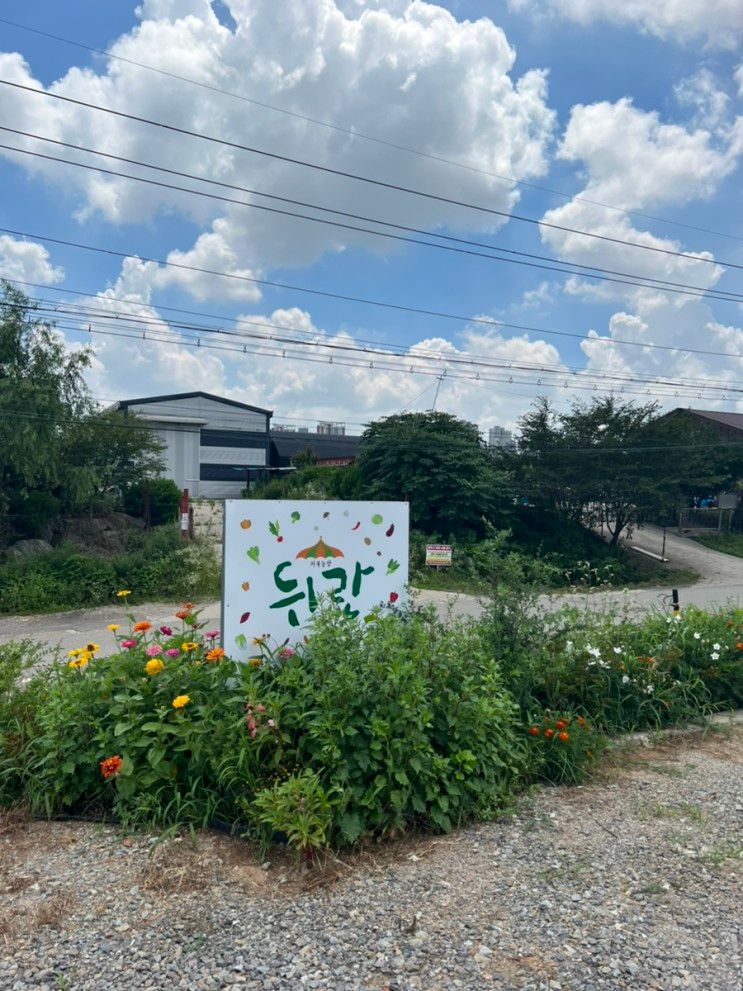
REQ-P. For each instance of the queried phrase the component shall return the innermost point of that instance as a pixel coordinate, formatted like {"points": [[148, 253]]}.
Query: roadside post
{"points": [[184, 516], [675, 599]]}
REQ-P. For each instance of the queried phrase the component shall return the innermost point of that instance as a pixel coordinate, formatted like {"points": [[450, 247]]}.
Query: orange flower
{"points": [[255, 662], [215, 654], [549, 733], [534, 731], [561, 724], [563, 736], [182, 614], [111, 766], [739, 646], [580, 721], [141, 627]]}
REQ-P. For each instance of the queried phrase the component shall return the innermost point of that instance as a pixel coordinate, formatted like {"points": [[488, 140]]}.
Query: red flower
{"points": [[739, 646], [549, 733], [534, 730], [563, 736], [561, 724], [111, 766]]}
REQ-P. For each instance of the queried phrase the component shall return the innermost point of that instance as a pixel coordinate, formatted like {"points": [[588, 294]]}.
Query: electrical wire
{"points": [[485, 321], [576, 268], [340, 173], [355, 133], [132, 321]]}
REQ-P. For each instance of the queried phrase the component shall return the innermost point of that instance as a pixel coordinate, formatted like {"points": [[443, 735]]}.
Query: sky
{"points": [[545, 120]]}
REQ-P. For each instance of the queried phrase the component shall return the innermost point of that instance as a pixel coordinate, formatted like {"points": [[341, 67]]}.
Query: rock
{"points": [[23, 550]]}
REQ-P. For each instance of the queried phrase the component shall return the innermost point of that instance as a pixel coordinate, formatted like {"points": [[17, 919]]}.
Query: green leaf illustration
{"points": [[274, 528], [392, 566], [377, 519], [254, 554], [241, 640], [295, 516]]}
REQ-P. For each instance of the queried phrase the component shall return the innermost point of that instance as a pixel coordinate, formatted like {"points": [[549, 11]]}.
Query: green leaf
{"points": [[351, 826]]}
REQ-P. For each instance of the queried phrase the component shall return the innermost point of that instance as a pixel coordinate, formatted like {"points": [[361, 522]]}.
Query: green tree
{"points": [[613, 461], [115, 453], [441, 465], [42, 397]]}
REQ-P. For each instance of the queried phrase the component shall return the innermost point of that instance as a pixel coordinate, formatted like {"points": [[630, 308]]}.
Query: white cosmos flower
{"points": [[715, 656], [617, 650], [649, 690], [697, 636], [715, 646], [625, 679]]}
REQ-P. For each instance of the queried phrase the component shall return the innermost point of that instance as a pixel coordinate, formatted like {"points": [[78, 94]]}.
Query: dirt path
{"points": [[630, 884]]}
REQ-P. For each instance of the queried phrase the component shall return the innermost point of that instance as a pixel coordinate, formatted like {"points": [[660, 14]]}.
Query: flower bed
{"points": [[361, 730]]}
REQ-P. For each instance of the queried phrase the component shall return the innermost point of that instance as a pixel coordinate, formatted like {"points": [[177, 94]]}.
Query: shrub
{"points": [[364, 731], [155, 564], [163, 495], [34, 513]]}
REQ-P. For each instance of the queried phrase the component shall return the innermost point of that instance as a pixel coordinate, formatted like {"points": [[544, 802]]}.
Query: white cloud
{"points": [[738, 76], [718, 22], [633, 161], [702, 94], [409, 73], [27, 261]]}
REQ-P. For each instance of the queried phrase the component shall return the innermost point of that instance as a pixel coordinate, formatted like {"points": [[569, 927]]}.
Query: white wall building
{"points": [[212, 445]]}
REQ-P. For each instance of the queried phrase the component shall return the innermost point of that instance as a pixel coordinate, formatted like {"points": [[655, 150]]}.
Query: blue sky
{"points": [[635, 110]]}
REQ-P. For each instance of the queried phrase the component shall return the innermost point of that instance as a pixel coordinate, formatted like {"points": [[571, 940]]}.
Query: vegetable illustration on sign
{"points": [[306, 554]]}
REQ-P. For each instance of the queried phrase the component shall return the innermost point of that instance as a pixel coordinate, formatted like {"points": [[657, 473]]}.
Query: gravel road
{"points": [[632, 883]]}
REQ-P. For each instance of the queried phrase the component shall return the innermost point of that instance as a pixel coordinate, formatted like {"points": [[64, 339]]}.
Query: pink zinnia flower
{"points": [[153, 650], [260, 707], [166, 631], [271, 723], [128, 643], [212, 634], [173, 652], [287, 652]]}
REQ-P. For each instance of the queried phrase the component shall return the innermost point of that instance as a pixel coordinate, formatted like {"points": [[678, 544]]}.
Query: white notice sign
{"points": [[281, 558]]}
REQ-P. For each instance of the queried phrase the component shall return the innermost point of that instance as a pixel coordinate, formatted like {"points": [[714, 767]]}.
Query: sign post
{"points": [[283, 558]]}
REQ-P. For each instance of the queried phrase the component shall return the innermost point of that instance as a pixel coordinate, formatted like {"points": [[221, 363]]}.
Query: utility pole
{"points": [[436, 394]]}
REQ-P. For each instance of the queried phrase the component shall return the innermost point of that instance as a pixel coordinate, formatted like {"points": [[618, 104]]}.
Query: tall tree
{"points": [[441, 465], [42, 395], [614, 461]]}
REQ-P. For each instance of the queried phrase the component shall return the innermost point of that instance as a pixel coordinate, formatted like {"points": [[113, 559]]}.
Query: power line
{"points": [[360, 178], [484, 321], [655, 282], [181, 340], [129, 320], [353, 132], [244, 278]]}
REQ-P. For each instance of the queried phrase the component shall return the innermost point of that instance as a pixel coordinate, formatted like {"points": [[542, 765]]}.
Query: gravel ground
{"points": [[631, 883]]}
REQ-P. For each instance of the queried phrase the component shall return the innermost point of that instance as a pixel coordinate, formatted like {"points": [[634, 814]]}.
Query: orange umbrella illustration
{"points": [[320, 549]]}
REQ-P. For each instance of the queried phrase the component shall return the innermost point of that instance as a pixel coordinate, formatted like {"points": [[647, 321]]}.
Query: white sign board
{"points": [[281, 558]]}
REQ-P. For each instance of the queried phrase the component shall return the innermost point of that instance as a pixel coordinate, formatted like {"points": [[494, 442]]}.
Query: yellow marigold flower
{"points": [[154, 666], [215, 654], [255, 662], [189, 645], [123, 593], [113, 627], [180, 700]]}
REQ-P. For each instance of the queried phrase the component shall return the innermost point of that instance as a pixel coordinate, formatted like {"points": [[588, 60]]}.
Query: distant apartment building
{"points": [[500, 437], [332, 427]]}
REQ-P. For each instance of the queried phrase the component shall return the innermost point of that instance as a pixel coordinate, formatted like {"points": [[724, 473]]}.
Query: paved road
{"points": [[721, 582]]}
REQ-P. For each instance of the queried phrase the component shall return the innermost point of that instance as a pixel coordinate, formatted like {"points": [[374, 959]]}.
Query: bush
{"points": [[156, 564], [34, 513], [364, 731], [164, 499], [623, 675]]}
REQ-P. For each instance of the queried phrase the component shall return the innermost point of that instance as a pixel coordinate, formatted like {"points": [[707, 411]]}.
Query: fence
{"points": [[710, 519]]}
